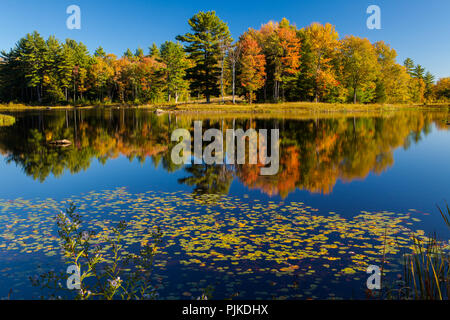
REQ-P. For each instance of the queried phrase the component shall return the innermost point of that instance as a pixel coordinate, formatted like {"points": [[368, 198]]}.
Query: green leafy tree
{"points": [[33, 58], [409, 65], [139, 53], [429, 83], [176, 63], [82, 60], [418, 72], [128, 54], [154, 51], [65, 68], [52, 58], [99, 52], [204, 49], [305, 84]]}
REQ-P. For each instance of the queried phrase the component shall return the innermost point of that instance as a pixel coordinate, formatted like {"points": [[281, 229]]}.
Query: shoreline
{"points": [[220, 108]]}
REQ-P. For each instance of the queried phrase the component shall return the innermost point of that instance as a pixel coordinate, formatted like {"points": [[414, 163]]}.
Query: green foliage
{"points": [[154, 51], [409, 65], [204, 49], [100, 52], [174, 59]]}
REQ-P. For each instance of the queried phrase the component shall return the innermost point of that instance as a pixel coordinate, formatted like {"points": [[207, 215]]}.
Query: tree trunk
{"points": [[276, 91], [265, 90], [316, 87], [234, 81], [168, 89], [221, 77]]}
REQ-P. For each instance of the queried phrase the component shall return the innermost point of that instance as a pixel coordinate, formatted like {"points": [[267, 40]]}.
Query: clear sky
{"points": [[419, 29]]}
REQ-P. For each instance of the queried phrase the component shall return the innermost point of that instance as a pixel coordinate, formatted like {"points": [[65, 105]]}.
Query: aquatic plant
{"points": [[426, 270], [227, 242], [6, 120], [103, 269]]}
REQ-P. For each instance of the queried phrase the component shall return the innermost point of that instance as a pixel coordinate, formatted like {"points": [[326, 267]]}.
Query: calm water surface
{"points": [[308, 232]]}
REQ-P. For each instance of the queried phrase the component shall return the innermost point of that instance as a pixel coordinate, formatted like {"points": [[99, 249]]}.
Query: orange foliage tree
{"points": [[281, 47], [252, 66]]}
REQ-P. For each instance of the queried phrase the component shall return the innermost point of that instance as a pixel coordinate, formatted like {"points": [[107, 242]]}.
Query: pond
{"points": [[350, 189]]}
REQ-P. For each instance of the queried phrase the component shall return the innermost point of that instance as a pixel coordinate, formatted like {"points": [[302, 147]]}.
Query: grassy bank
{"points": [[297, 107], [267, 108], [24, 107]]}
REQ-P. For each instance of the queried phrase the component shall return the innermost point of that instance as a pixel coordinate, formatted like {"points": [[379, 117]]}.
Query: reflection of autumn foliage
{"points": [[283, 183], [121, 142], [120, 132], [315, 154]]}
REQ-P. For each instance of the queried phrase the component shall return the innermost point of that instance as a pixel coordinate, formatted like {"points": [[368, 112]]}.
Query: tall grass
{"points": [[426, 270]]}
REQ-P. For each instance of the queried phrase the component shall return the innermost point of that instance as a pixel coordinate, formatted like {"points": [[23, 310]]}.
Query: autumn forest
{"points": [[277, 62]]}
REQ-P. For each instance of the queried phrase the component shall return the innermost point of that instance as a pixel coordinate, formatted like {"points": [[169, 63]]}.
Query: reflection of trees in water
{"points": [[314, 154], [208, 179], [96, 134]]}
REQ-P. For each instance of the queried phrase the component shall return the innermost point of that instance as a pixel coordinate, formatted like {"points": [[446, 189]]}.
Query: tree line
{"points": [[278, 62], [314, 154]]}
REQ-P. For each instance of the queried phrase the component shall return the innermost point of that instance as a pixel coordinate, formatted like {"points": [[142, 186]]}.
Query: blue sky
{"points": [[419, 29]]}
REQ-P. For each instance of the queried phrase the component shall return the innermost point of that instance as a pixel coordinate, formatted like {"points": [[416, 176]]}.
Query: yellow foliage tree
{"points": [[359, 63], [324, 47]]}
